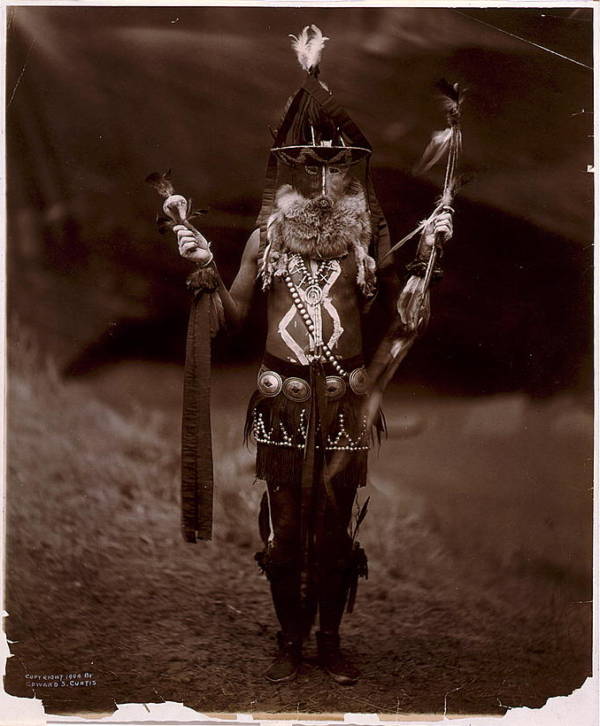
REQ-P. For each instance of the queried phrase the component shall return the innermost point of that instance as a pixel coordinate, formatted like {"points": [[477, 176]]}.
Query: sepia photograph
{"points": [[300, 357]]}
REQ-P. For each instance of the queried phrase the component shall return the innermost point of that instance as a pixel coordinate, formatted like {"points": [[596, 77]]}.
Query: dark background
{"points": [[99, 97], [479, 533]]}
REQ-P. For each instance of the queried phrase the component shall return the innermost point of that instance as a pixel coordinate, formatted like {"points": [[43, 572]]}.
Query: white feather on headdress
{"points": [[308, 47]]}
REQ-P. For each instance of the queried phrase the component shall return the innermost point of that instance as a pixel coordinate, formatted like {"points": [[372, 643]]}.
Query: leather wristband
{"points": [[208, 263], [419, 267], [203, 279]]}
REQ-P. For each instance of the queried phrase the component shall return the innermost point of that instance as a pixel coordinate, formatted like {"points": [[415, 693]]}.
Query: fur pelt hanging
{"points": [[319, 229]]}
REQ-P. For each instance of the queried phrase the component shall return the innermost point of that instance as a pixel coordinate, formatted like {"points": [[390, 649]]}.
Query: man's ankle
{"points": [[287, 662], [332, 661]]}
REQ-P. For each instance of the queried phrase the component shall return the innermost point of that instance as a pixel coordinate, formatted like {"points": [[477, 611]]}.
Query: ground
{"points": [[478, 537]]}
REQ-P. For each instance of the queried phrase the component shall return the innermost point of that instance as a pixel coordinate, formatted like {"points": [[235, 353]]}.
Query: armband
{"points": [[203, 279], [419, 267]]}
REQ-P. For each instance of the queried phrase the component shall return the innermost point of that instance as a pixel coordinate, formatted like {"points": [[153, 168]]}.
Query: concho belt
{"points": [[271, 383]]}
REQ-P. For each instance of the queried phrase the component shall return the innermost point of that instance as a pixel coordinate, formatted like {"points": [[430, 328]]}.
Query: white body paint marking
{"points": [[271, 537], [330, 273], [336, 270], [282, 328]]}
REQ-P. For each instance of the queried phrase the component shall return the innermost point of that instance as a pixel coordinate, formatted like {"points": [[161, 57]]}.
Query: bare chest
{"points": [[315, 305]]}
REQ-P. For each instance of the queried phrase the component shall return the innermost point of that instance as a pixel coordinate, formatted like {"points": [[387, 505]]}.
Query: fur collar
{"points": [[319, 229]]}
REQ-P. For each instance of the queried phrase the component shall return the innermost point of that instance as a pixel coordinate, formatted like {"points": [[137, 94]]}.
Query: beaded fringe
{"points": [[284, 462], [287, 419]]}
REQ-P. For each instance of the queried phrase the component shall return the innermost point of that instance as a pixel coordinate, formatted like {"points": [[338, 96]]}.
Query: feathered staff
{"points": [[413, 304], [360, 566], [176, 209]]}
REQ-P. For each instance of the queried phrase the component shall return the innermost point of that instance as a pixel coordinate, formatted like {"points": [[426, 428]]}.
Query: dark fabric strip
{"points": [[196, 445], [338, 114], [268, 199]]}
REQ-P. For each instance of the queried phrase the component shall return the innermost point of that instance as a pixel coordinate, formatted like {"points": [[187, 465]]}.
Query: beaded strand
{"points": [[340, 441], [329, 355]]}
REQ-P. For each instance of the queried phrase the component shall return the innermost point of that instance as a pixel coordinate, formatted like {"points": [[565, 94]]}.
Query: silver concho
{"points": [[313, 294], [296, 389], [269, 383], [359, 381], [335, 387]]}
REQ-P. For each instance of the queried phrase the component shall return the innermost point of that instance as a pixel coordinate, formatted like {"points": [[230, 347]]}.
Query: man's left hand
{"points": [[442, 225]]}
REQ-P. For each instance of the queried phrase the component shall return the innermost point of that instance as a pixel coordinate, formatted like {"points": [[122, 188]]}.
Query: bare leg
{"points": [[283, 554], [279, 524], [334, 553], [334, 557]]}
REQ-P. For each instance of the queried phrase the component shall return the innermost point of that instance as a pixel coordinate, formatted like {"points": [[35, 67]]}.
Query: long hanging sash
{"points": [[196, 448], [314, 477], [205, 318], [310, 472]]}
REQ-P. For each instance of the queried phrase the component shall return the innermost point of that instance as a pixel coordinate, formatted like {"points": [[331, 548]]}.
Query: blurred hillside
{"points": [[100, 96]]}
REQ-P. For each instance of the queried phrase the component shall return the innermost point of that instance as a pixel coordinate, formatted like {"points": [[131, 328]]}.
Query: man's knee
{"points": [[279, 558], [334, 552]]}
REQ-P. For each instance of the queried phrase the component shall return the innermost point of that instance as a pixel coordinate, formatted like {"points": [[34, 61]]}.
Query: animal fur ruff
{"points": [[319, 229]]}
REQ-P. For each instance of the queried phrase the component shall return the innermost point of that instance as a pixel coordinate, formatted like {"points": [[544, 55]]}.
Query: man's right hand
{"points": [[414, 305], [192, 245]]}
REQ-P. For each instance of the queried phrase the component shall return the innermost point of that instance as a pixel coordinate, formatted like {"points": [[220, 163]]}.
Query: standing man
{"points": [[319, 254]]}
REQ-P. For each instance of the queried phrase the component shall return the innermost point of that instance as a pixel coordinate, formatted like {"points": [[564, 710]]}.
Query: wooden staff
{"points": [[415, 304]]}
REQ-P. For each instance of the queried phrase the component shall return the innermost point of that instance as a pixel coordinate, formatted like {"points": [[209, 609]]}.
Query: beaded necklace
{"points": [[313, 293]]}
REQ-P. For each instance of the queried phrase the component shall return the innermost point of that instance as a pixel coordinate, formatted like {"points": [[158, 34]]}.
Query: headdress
{"points": [[315, 129]]}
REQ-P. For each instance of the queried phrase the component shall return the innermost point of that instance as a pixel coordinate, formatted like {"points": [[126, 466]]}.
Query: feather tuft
{"points": [[360, 516], [308, 46], [437, 147], [452, 98], [161, 182]]}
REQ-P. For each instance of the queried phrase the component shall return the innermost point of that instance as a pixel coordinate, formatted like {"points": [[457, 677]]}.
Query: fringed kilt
{"points": [[278, 425]]}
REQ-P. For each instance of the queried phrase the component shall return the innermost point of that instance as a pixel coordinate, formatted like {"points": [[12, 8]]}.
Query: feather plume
{"points": [[452, 98], [161, 182], [437, 147], [300, 44], [308, 46], [443, 141], [407, 237], [360, 516]]}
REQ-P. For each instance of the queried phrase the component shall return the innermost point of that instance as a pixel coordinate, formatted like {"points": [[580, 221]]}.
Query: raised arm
{"points": [[413, 303], [406, 309], [236, 301]]}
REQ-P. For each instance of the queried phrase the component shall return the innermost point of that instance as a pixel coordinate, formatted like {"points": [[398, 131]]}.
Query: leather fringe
{"points": [[284, 463]]}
